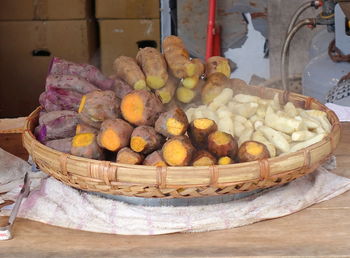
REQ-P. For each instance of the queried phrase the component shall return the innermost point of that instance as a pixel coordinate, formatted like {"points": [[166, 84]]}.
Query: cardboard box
{"points": [[26, 48], [124, 37], [127, 9], [45, 9]]}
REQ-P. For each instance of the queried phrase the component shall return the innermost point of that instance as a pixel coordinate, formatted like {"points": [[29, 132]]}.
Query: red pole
{"points": [[211, 29]]}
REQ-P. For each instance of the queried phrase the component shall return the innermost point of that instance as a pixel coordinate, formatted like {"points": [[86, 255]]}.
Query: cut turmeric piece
{"points": [[252, 150], [145, 139], [225, 160], [199, 131], [178, 151], [83, 140], [203, 158], [128, 156], [114, 134], [222, 144], [172, 123], [141, 107]]}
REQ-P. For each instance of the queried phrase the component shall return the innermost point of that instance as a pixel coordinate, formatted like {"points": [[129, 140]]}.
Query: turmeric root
{"points": [[154, 67], [128, 156], [85, 145], [192, 82], [252, 150], [141, 107], [222, 144], [172, 123], [225, 160], [218, 64], [114, 134], [203, 158], [97, 106], [145, 139], [177, 57], [199, 131], [128, 70], [215, 84], [154, 159], [167, 92], [178, 151]]}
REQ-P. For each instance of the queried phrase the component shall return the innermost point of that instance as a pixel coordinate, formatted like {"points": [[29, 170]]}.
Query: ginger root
{"points": [[154, 67], [145, 139], [127, 69], [178, 151], [172, 123], [141, 107], [114, 134], [128, 156]]}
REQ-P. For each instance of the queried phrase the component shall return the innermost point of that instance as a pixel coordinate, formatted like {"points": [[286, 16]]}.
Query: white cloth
{"points": [[58, 204]]}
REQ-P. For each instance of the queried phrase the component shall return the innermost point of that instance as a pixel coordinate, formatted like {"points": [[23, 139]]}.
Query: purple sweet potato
{"points": [[89, 72], [47, 104], [46, 117], [65, 99], [85, 145], [58, 128], [62, 145], [69, 82]]}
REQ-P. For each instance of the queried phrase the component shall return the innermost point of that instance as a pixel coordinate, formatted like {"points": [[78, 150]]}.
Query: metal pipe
{"points": [[297, 13], [285, 49]]}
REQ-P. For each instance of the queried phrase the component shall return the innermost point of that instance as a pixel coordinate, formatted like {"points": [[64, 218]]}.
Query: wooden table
{"points": [[320, 230]]}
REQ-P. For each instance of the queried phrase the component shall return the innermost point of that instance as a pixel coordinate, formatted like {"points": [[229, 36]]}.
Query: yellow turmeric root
{"points": [[172, 123], [141, 107], [222, 144], [154, 159], [199, 131], [154, 67], [114, 134], [127, 69], [128, 156], [85, 145], [145, 139], [178, 151], [177, 57], [203, 158]]}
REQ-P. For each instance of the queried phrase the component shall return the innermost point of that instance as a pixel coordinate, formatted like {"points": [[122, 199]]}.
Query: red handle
{"points": [[210, 29]]}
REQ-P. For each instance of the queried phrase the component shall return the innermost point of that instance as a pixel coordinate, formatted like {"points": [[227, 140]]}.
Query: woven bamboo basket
{"points": [[186, 182]]}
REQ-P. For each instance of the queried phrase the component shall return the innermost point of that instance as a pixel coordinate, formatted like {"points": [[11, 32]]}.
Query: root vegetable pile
{"points": [[136, 115]]}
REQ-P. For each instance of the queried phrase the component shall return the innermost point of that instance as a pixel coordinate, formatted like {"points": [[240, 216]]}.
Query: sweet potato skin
{"points": [[62, 145], [153, 65], [85, 128], [168, 151], [47, 117], [172, 123], [128, 156], [69, 82], [145, 115], [244, 155], [56, 127], [121, 88], [167, 92], [97, 106], [152, 139], [60, 99], [199, 136], [201, 154], [215, 83], [218, 64], [121, 129], [88, 72], [225, 149]]}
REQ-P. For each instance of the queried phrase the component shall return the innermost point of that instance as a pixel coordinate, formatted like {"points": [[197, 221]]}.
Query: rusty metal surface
{"points": [[193, 15]]}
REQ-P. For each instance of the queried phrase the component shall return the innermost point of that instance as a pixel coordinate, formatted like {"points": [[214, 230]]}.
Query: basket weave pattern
{"points": [[185, 182]]}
